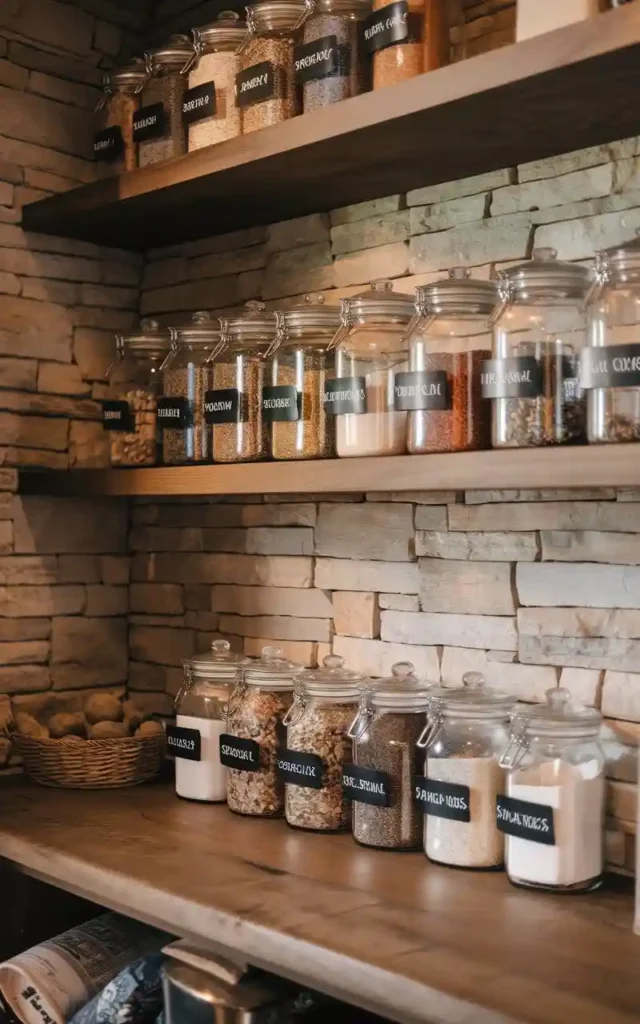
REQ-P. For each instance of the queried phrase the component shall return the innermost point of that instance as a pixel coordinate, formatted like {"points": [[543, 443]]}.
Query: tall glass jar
{"points": [[293, 401], [331, 63], [210, 105], [448, 344], [130, 412], [611, 361], [538, 333], [265, 87], [113, 143], [553, 812], [370, 349], [405, 38], [386, 758], [186, 380], [466, 735], [158, 125], [318, 747], [201, 709], [256, 710], [240, 431]]}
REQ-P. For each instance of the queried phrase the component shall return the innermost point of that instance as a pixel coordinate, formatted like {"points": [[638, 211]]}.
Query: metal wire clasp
{"points": [[433, 727], [517, 745], [297, 707], [235, 700], [187, 683], [362, 721]]}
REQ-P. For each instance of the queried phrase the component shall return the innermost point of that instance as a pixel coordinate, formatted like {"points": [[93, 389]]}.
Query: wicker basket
{"points": [[91, 764]]}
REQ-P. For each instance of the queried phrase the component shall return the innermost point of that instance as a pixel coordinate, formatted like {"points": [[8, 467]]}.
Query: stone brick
{"points": [[24, 629], [24, 678], [63, 293], [25, 652], [620, 742], [160, 646], [399, 602], [170, 621], [105, 600], [49, 22], [590, 546], [483, 631], [8, 479], [34, 329], [356, 614], [306, 257], [417, 497], [89, 649], [165, 273], [78, 569], [233, 262], [34, 458], [557, 494], [220, 243], [584, 685], [566, 163], [61, 379], [621, 695], [303, 653], [302, 604], [146, 677], [6, 536], [199, 598], [283, 514], [115, 569], [30, 118], [364, 211], [464, 187], [70, 525], [88, 445], [103, 295], [33, 602], [567, 188], [622, 801], [84, 96], [578, 651], [551, 515], [162, 538], [276, 285], [482, 587], [500, 238], [12, 75], [580, 622], [201, 620], [372, 531], [478, 547], [276, 627], [441, 216], [266, 540], [365, 234], [290, 234], [9, 284], [431, 517], [376, 658], [107, 38], [16, 570], [94, 351], [343, 574], [526, 682], [383, 261], [156, 598], [579, 239], [592, 586]]}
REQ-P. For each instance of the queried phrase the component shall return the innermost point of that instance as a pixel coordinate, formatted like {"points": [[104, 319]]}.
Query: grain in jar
{"points": [[405, 38], [187, 379], [330, 62], [113, 143], [256, 734], [158, 124], [209, 105]]}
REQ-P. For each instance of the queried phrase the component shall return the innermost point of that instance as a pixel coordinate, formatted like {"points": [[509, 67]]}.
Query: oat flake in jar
{"points": [[209, 105]]}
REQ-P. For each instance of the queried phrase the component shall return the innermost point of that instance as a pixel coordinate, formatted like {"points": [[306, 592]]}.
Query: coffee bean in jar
{"points": [[209, 105], [113, 144], [187, 379], [158, 126], [330, 62]]}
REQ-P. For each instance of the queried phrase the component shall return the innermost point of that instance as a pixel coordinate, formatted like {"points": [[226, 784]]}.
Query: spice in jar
{"points": [[187, 378], [210, 104], [405, 38], [331, 63], [114, 143], [158, 124]]}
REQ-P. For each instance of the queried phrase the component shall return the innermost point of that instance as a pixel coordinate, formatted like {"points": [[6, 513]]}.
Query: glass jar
{"points": [[318, 748], [265, 87], [160, 130], [538, 333], [256, 710], [293, 402], [120, 99], [240, 432], [553, 813], [611, 362], [135, 384], [386, 758], [331, 64], [201, 707], [405, 38], [211, 111], [465, 737], [186, 380], [371, 347], [449, 342]]}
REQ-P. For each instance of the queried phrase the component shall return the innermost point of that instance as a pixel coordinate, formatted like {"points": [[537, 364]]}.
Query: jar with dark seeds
{"points": [[336, 67], [167, 66]]}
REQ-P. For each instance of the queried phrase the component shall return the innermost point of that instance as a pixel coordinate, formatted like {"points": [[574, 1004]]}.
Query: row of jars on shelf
{"points": [[387, 373], [232, 77], [461, 772]]}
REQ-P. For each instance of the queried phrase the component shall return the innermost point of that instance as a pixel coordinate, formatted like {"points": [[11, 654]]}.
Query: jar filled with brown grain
{"points": [[209, 105], [449, 342], [256, 734], [318, 747], [158, 126], [405, 38], [265, 87], [187, 380], [113, 144], [331, 63], [293, 401], [386, 757], [135, 384], [370, 348], [538, 334]]}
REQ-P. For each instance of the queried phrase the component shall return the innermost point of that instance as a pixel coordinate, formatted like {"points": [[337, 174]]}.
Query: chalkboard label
{"points": [[617, 366], [236, 752], [386, 27], [366, 785], [174, 413], [225, 405], [421, 390], [149, 122], [281, 403], [345, 395], [525, 820], [300, 769], [199, 103], [518, 377], [442, 799], [108, 145], [117, 416], [255, 84], [184, 743], [318, 59]]}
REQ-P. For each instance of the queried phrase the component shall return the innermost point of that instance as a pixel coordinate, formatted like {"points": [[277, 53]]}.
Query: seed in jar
{"points": [[138, 447], [192, 442], [259, 717], [321, 731]]}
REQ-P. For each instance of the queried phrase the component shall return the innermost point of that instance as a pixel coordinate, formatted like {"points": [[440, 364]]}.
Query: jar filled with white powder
{"points": [[552, 813], [209, 106], [466, 733], [201, 707]]}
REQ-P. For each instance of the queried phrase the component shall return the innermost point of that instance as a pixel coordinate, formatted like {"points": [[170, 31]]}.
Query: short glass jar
{"points": [[538, 333], [370, 349], [611, 361], [553, 813], [161, 130], [265, 87], [216, 65], [465, 737], [449, 341], [186, 381], [386, 758], [293, 402], [201, 715], [331, 63], [405, 38], [130, 412], [113, 144], [318, 748], [256, 710], [240, 371]]}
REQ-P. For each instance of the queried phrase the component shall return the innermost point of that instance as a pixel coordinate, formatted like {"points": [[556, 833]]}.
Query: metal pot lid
{"points": [[312, 314], [559, 716], [401, 691], [150, 337], [225, 33], [221, 663], [202, 329], [131, 76], [379, 302], [473, 697], [277, 15], [459, 293], [271, 669], [545, 274], [331, 680], [256, 324], [176, 55]]}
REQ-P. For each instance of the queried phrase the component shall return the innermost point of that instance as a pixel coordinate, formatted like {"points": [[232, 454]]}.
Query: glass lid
{"points": [[277, 15], [131, 76], [378, 304], [176, 55], [544, 275], [202, 329], [358, 7], [559, 716], [222, 663], [331, 680], [401, 691], [149, 338], [225, 33], [459, 293], [620, 261], [474, 697], [256, 325], [271, 669], [311, 316]]}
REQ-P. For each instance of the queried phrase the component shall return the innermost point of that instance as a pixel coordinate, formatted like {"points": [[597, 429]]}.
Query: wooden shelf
{"points": [[571, 88], [596, 466]]}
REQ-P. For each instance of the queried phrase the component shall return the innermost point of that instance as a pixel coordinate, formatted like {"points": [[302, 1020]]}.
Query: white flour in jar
{"points": [[380, 430], [471, 844], [220, 68], [205, 779]]}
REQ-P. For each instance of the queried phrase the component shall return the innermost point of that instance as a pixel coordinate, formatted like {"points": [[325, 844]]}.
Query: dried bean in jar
{"points": [[322, 731], [259, 717], [466, 424], [138, 447], [556, 416]]}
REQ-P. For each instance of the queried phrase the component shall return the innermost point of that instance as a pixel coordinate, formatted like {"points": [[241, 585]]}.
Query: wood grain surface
{"points": [[388, 932]]}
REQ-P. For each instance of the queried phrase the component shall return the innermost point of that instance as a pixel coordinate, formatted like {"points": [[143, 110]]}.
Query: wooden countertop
{"points": [[388, 932]]}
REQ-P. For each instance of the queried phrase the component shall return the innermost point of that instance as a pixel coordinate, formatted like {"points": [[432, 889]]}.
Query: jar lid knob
{"points": [[271, 653], [149, 325], [228, 16], [314, 298], [545, 254], [459, 273], [402, 669], [558, 699], [220, 646], [333, 662], [254, 306], [201, 317], [473, 680], [382, 286]]}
